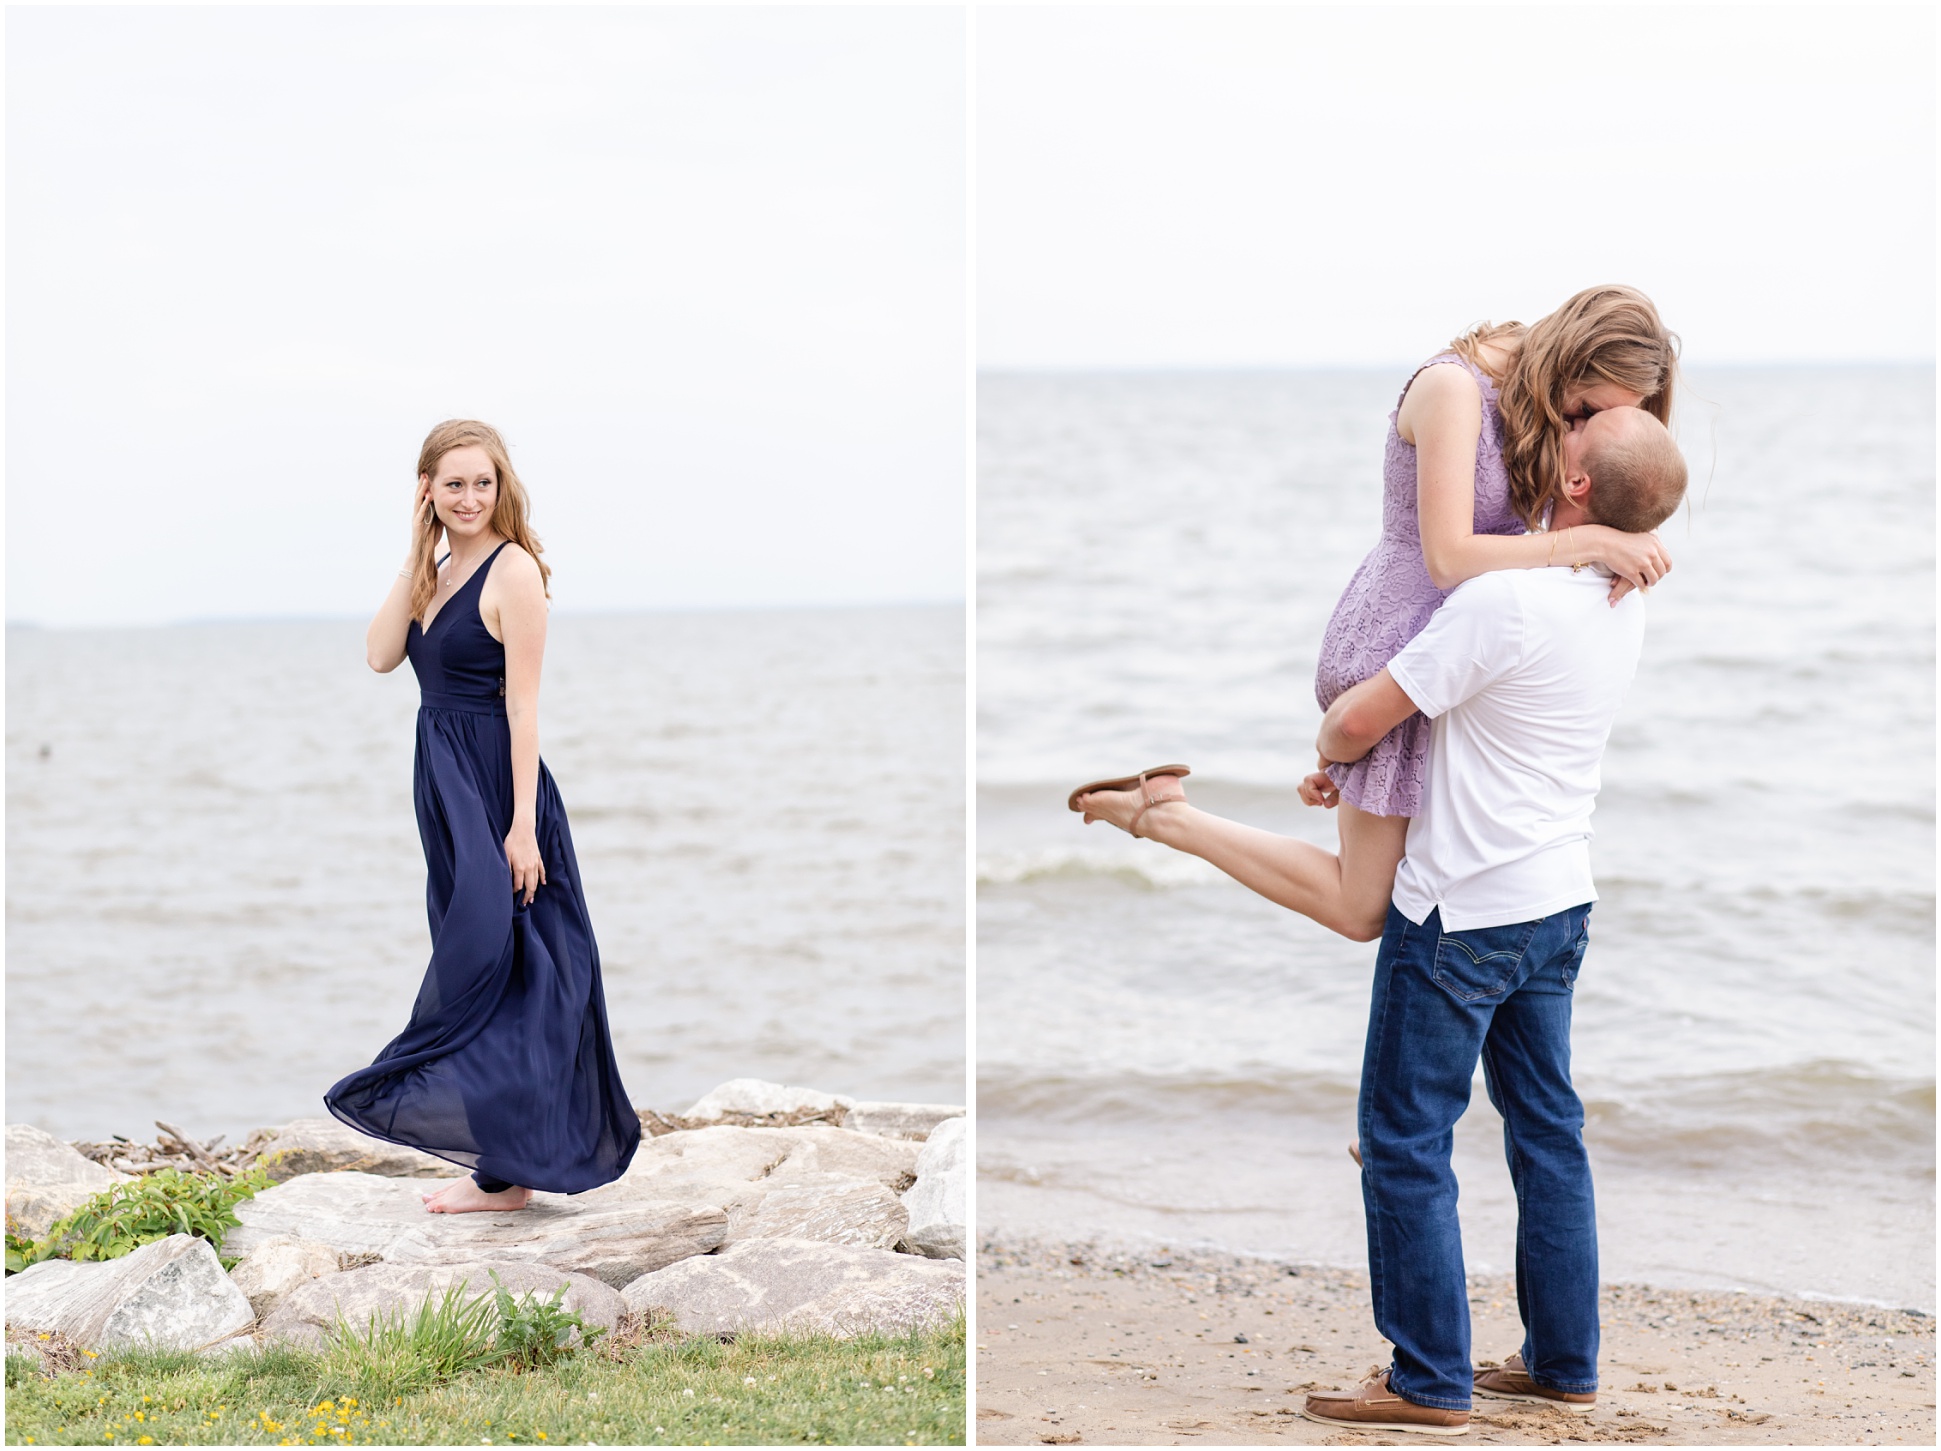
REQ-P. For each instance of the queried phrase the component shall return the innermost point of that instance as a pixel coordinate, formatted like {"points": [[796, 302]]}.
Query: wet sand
{"points": [[1079, 1345]]}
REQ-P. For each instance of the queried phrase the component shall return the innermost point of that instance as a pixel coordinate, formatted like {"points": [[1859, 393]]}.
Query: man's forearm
{"points": [[1361, 716]]}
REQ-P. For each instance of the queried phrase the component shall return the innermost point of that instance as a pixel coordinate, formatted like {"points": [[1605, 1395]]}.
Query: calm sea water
{"points": [[1165, 1058], [215, 891]]}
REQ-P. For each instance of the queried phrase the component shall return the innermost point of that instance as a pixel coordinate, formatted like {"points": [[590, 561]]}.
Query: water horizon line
{"points": [[1231, 369], [313, 618]]}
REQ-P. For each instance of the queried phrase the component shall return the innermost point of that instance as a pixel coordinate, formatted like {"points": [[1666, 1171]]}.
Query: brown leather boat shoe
{"points": [[1511, 1382], [1372, 1406]]}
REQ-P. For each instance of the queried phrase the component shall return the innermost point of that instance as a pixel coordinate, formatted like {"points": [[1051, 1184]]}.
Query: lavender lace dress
{"points": [[1390, 599]]}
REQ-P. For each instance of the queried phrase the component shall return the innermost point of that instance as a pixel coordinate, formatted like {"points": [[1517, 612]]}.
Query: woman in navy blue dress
{"points": [[506, 1066]]}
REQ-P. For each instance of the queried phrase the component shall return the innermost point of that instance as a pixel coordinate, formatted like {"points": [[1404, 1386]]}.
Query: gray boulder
{"points": [[890, 1162], [704, 1158], [726, 1155], [758, 1098], [937, 1202], [389, 1291], [354, 1213], [47, 1180], [323, 1145], [796, 1285], [826, 1183], [898, 1120], [172, 1294], [278, 1265], [831, 1209]]}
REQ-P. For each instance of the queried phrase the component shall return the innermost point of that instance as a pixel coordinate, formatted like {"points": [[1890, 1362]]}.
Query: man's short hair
{"points": [[1637, 477]]}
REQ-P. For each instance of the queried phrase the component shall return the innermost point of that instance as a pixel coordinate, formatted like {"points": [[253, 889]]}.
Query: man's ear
{"points": [[1577, 488]]}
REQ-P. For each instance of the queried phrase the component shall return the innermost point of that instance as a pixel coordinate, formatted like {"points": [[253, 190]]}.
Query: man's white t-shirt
{"points": [[1521, 672]]}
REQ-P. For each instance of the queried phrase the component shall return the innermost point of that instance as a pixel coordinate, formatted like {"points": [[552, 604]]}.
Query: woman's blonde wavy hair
{"points": [[1602, 335], [508, 513]]}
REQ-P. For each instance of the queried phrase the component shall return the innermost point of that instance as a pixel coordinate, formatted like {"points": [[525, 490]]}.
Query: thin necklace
{"points": [[460, 583]]}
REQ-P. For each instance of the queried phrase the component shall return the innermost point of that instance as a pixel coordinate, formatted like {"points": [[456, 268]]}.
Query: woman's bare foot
{"points": [[1128, 809], [465, 1197]]}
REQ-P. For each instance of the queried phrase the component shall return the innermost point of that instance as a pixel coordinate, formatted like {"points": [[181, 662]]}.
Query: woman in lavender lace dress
{"points": [[1474, 456]]}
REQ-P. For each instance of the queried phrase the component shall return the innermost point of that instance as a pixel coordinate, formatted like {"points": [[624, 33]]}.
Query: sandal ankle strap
{"points": [[1132, 827]]}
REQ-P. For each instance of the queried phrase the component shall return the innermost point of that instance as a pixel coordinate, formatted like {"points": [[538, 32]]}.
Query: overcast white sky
{"points": [[1312, 185], [704, 268]]}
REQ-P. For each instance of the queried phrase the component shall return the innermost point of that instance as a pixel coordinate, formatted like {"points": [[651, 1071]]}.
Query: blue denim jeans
{"points": [[1441, 1000]]}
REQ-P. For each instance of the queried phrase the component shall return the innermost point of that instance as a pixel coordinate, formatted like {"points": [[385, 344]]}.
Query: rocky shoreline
{"points": [[761, 1207], [1101, 1344]]}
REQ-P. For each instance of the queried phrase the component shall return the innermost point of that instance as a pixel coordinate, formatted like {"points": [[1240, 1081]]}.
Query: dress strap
{"points": [[480, 571]]}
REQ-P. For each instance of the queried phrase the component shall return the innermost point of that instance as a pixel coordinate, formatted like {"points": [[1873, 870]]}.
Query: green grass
{"points": [[884, 1390]]}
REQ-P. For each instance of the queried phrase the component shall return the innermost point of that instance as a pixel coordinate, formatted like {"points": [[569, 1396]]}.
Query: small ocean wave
{"points": [[1806, 1112], [1145, 869], [1116, 1100], [1816, 1112]]}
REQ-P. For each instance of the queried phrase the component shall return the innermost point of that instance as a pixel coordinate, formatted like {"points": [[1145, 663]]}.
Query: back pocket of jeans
{"points": [[1574, 959], [1481, 962]]}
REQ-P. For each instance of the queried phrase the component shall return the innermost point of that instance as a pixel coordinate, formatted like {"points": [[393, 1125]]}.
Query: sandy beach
{"points": [[1082, 1345]]}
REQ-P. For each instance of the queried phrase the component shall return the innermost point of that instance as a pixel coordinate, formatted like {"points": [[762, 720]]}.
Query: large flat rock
{"points": [[385, 1291], [797, 1183], [938, 1202], [723, 1154], [898, 1120], [171, 1294], [321, 1145], [615, 1240], [833, 1210], [47, 1180], [800, 1285], [816, 1151]]}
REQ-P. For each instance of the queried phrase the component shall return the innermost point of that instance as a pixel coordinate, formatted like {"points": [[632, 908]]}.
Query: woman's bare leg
{"points": [[1347, 893]]}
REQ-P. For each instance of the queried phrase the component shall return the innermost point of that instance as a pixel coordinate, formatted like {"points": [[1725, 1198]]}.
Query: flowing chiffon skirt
{"points": [[506, 1066]]}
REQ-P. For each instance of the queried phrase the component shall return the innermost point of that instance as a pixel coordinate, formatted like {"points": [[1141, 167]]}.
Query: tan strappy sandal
{"points": [[1126, 783]]}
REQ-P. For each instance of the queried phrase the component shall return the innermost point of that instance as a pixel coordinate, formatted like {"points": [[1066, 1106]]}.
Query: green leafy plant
{"points": [[124, 1217], [533, 1333]]}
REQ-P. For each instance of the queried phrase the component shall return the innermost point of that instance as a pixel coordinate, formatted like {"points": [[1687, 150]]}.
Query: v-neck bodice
{"points": [[458, 664]]}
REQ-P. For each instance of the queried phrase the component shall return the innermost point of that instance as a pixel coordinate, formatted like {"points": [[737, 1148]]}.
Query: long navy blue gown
{"points": [[506, 1066]]}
